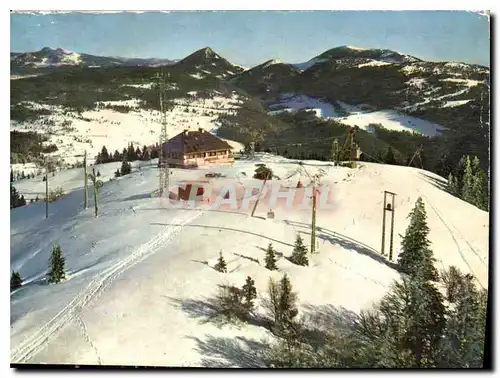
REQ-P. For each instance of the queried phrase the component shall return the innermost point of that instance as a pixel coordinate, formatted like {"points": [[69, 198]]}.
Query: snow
{"points": [[306, 65], [137, 282], [452, 104], [390, 119], [146, 86], [115, 130], [197, 76], [417, 82], [355, 48], [467, 82], [374, 63], [296, 102]]}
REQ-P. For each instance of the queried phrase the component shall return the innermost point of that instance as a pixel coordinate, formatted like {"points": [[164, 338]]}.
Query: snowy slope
{"points": [[73, 133], [390, 119], [137, 282]]}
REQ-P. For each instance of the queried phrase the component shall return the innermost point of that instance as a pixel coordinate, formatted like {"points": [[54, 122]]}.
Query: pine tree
{"points": [[126, 168], [463, 343], [299, 254], [453, 185], [479, 185], [480, 190], [16, 200], [287, 305], [117, 173], [15, 281], [335, 151], [145, 154], [117, 156], [468, 182], [249, 293], [138, 153], [104, 156], [57, 262], [221, 264], [270, 258], [414, 316], [389, 157], [416, 256], [124, 154], [131, 156]]}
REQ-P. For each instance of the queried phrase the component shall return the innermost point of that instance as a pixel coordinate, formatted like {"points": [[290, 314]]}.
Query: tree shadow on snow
{"points": [[138, 197], [207, 310], [347, 243], [223, 352], [316, 325], [441, 184], [224, 228]]}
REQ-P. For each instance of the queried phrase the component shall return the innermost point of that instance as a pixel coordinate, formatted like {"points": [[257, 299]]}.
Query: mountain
{"points": [[49, 57], [271, 76], [206, 62], [349, 56], [344, 86]]}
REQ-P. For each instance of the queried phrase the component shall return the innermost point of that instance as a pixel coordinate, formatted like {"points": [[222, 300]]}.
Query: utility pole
{"points": [[314, 180], [47, 189], [85, 180], [313, 221], [162, 159], [388, 207]]}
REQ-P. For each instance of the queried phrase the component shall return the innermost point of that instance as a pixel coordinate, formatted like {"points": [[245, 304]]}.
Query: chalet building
{"points": [[191, 149]]}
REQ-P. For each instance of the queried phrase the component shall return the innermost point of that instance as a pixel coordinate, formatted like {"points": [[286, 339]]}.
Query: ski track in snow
{"points": [[32, 345], [438, 213]]}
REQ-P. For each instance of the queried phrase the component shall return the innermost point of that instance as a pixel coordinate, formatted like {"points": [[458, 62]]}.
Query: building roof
{"points": [[195, 141]]}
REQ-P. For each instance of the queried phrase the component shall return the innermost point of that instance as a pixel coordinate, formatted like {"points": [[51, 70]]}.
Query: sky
{"points": [[249, 38]]}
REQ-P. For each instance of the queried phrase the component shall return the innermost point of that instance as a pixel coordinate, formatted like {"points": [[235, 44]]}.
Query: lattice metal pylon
{"points": [[162, 159]]}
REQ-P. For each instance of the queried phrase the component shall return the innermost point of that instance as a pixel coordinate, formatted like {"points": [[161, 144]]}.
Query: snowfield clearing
{"points": [[390, 119], [140, 275], [73, 134]]}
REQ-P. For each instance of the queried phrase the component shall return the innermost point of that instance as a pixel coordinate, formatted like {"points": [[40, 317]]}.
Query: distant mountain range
{"points": [[58, 57]]}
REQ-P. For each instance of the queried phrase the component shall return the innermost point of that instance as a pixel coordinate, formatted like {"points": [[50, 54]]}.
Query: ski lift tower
{"points": [[162, 160]]}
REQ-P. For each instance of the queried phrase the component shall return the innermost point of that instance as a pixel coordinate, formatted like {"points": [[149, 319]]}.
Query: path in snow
{"points": [[99, 283]]}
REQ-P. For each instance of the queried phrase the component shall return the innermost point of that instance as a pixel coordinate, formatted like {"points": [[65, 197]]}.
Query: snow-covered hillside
{"points": [[390, 119], [91, 130], [137, 278]]}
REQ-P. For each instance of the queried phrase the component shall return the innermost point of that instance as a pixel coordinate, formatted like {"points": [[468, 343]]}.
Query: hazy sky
{"points": [[250, 38]]}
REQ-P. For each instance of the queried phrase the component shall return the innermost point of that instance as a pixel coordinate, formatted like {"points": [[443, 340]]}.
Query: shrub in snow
{"points": [[15, 281], [299, 254], [221, 265], [56, 267], [234, 303], [55, 194], [270, 258]]}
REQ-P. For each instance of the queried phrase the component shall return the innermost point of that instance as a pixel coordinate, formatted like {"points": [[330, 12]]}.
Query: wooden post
{"points": [[47, 190], [392, 227], [383, 223], [85, 178], [94, 179], [313, 221], [260, 193]]}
